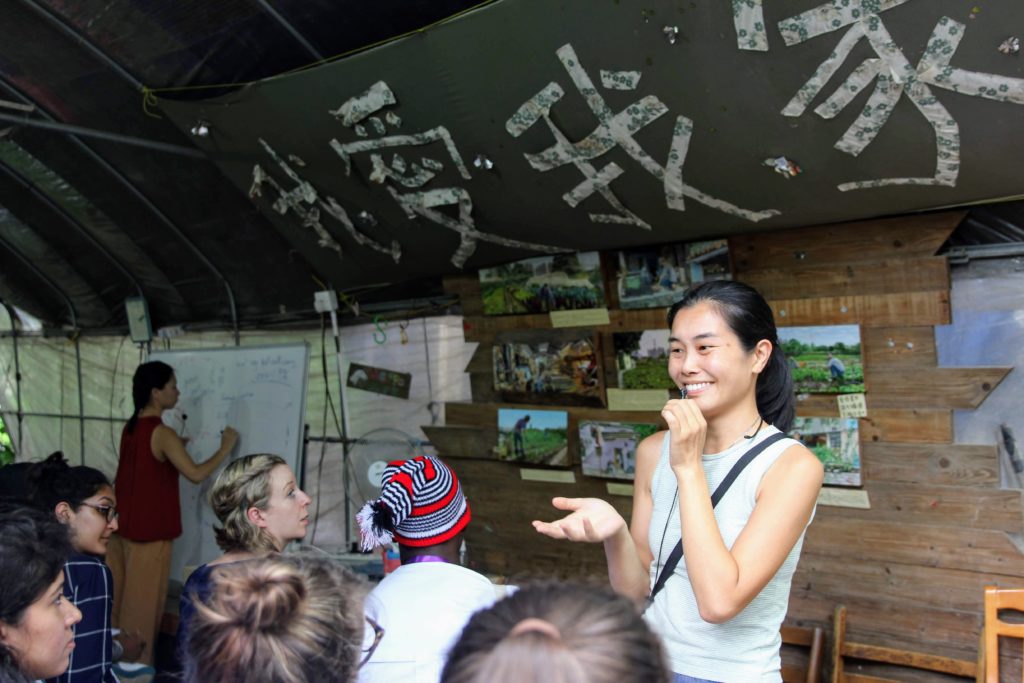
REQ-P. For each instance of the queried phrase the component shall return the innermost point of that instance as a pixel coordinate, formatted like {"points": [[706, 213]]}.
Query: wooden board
{"points": [[950, 506], [876, 277], [901, 347], [879, 310], [881, 622], [886, 238], [924, 545], [460, 441], [906, 426], [963, 388], [949, 464], [897, 584]]}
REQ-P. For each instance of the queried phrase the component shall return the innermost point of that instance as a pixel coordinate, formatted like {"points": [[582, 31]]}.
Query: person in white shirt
{"points": [[423, 605]]}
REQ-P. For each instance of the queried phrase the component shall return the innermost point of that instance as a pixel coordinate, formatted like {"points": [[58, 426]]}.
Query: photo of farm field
{"points": [[641, 359], [824, 359], [536, 437], [562, 282]]}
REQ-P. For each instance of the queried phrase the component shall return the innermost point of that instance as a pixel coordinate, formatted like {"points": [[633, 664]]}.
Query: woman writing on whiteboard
{"points": [[720, 608], [151, 458]]}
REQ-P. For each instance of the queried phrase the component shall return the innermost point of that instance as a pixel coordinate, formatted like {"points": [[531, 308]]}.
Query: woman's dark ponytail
{"points": [[148, 376], [751, 319]]}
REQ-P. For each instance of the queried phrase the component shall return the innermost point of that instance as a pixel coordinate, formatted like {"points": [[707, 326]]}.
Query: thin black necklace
{"points": [[675, 496]]}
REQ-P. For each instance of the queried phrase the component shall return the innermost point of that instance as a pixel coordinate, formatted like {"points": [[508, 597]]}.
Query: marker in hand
{"points": [[682, 392]]}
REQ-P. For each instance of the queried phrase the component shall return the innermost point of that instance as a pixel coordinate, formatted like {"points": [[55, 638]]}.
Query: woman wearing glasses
{"points": [[82, 499], [280, 619]]}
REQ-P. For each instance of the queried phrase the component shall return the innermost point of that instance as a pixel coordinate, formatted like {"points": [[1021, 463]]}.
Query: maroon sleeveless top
{"points": [[147, 489]]}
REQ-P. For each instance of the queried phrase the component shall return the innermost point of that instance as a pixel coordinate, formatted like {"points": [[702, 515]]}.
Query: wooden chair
{"points": [[843, 649], [988, 655], [814, 640]]}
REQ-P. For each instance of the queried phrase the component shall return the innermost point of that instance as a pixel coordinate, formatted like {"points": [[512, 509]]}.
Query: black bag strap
{"points": [[741, 464]]}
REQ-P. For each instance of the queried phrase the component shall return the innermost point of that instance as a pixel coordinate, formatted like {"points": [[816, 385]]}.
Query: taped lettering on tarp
{"points": [[748, 18], [894, 77], [371, 101], [613, 130], [301, 199], [425, 204], [620, 80]]}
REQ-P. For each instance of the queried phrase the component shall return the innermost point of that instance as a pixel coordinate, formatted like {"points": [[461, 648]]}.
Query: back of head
{"points": [[557, 633], [751, 319], [244, 484], [53, 481], [33, 548], [148, 376], [278, 619]]}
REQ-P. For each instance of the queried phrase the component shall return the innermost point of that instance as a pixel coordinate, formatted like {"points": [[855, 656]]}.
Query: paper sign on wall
{"points": [[586, 317], [852, 405]]}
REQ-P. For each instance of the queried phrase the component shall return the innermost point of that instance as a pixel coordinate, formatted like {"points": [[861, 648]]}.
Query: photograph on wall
{"points": [[835, 441], [641, 359], [544, 366], [654, 277], [563, 282], [379, 380], [608, 449], [535, 437], [824, 359]]}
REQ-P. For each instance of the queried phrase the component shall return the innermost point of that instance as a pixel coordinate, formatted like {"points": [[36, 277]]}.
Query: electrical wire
{"points": [[113, 386], [323, 429]]}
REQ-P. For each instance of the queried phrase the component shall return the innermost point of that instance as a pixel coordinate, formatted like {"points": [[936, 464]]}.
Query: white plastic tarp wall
{"points": [[49, 384]]}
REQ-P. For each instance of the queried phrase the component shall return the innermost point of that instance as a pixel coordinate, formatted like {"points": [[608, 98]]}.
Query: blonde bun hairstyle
{"points": [[278, 619]]}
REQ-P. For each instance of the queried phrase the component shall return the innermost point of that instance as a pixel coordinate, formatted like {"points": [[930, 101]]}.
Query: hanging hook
{"points": [[379, 335]]}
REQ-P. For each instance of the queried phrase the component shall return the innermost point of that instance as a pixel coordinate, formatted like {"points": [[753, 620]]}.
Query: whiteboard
{"points": [[258, 390]]}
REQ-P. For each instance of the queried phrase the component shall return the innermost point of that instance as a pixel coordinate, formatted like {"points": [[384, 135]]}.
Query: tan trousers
{"points": [[140, 572]]}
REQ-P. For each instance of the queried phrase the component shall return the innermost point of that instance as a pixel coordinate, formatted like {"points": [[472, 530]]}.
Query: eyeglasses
{"points": [[108, 511], [378, 633]]}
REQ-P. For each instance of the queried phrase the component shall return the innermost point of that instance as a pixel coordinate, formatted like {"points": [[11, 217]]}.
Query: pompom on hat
{"points": [[421, 504]]}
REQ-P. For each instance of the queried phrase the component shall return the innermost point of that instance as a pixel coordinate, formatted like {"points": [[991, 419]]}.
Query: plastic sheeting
{"points": [[49, 384], [987, 329]]}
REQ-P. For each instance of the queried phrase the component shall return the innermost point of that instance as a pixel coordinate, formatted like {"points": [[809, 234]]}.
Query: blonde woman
{"points": [[261, 509], [294, 619]]}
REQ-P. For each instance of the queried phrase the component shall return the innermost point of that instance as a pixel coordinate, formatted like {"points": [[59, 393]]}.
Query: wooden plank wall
{"points": [[911, 569]]}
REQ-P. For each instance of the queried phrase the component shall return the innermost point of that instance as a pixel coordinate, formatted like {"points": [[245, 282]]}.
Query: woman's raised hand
{"points": [[591, 520], [688, 429]]}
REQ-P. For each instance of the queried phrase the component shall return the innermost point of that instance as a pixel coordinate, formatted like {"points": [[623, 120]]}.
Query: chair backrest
{"points": [[814, 640], [996, 599], [842, 648]]}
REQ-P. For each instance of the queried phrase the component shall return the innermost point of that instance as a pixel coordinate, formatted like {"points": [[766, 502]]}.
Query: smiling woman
{"points": [[36, 621], [82, 499], [261, 509], [719, 606]]}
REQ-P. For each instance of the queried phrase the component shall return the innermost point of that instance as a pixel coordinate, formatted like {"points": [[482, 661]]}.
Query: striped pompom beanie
{"points": [[421, 504]]}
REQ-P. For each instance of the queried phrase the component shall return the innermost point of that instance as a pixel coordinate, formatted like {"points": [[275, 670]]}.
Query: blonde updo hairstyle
{"points": [[244, 484], [278, 619]]}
